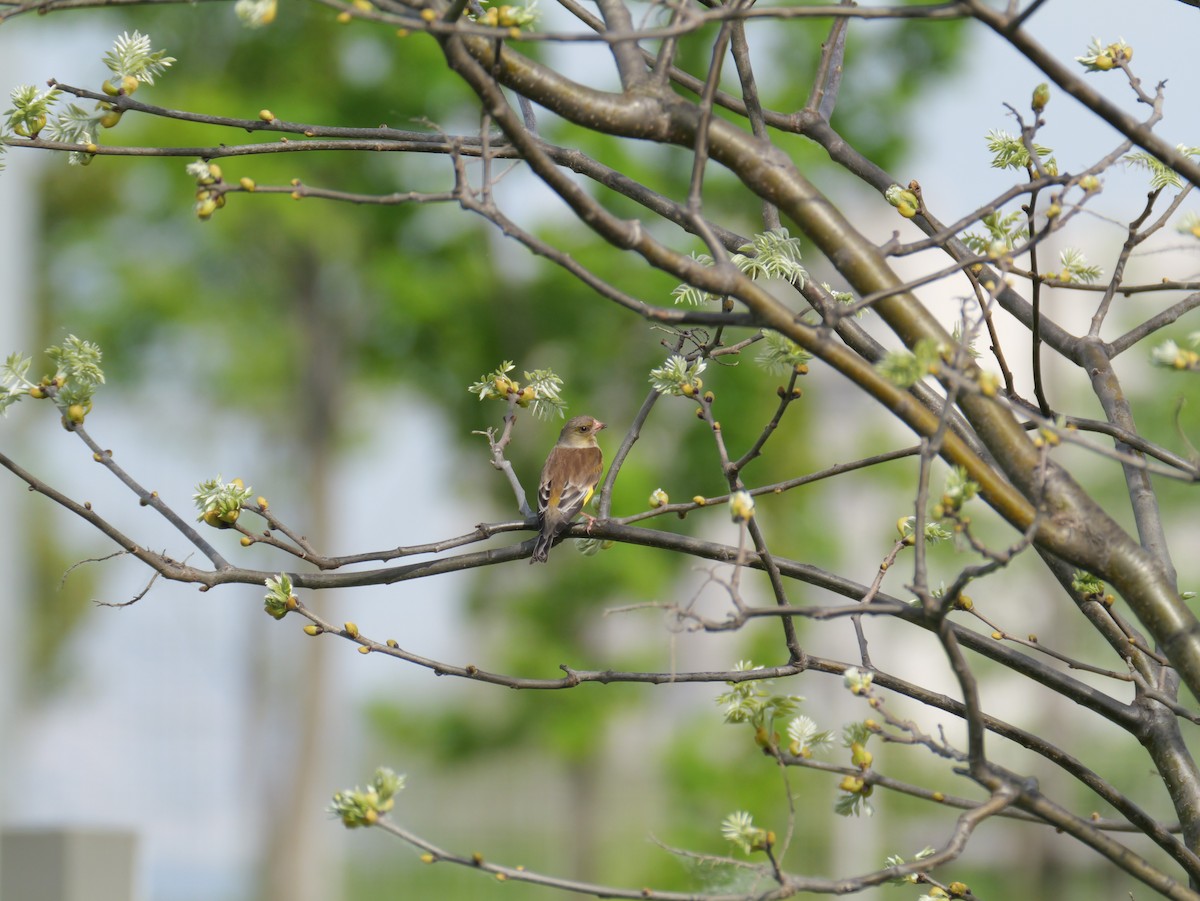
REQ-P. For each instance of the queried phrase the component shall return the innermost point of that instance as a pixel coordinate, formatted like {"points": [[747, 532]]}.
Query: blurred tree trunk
{"points": [[298, 864]]}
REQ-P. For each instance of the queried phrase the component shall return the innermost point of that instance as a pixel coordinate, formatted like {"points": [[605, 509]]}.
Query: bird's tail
{"points": [[541, 547]]}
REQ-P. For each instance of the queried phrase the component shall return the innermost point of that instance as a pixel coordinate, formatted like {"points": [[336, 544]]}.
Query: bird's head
{"points": [[580, 431]]}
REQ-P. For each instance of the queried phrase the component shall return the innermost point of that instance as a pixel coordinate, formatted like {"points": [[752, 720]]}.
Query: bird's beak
{"points": [[598, 424]]}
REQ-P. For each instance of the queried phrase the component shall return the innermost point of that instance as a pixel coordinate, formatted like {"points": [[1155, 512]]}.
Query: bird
{"points": [[568, 481]]}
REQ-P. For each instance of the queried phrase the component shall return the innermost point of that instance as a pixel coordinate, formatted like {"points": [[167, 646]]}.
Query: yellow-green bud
{"points": [[741, 506], [860, 756], [1041, 96], [851, 784], [904, 200], [1119, 51]]}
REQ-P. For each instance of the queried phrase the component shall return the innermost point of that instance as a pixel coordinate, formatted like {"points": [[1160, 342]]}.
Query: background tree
{"points": [[725, 177]]}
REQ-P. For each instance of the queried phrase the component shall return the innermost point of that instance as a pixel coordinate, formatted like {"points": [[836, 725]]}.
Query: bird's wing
{"points": [[568, 480]]}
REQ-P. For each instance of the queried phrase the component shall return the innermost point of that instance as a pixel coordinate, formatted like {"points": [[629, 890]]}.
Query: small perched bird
{"points": [[568, 479]]}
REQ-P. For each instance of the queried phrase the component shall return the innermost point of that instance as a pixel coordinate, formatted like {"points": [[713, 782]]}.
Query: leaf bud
{"points": [[741, 506], [860, 756], [1041, 96], [905, 201], [852, 784]]}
